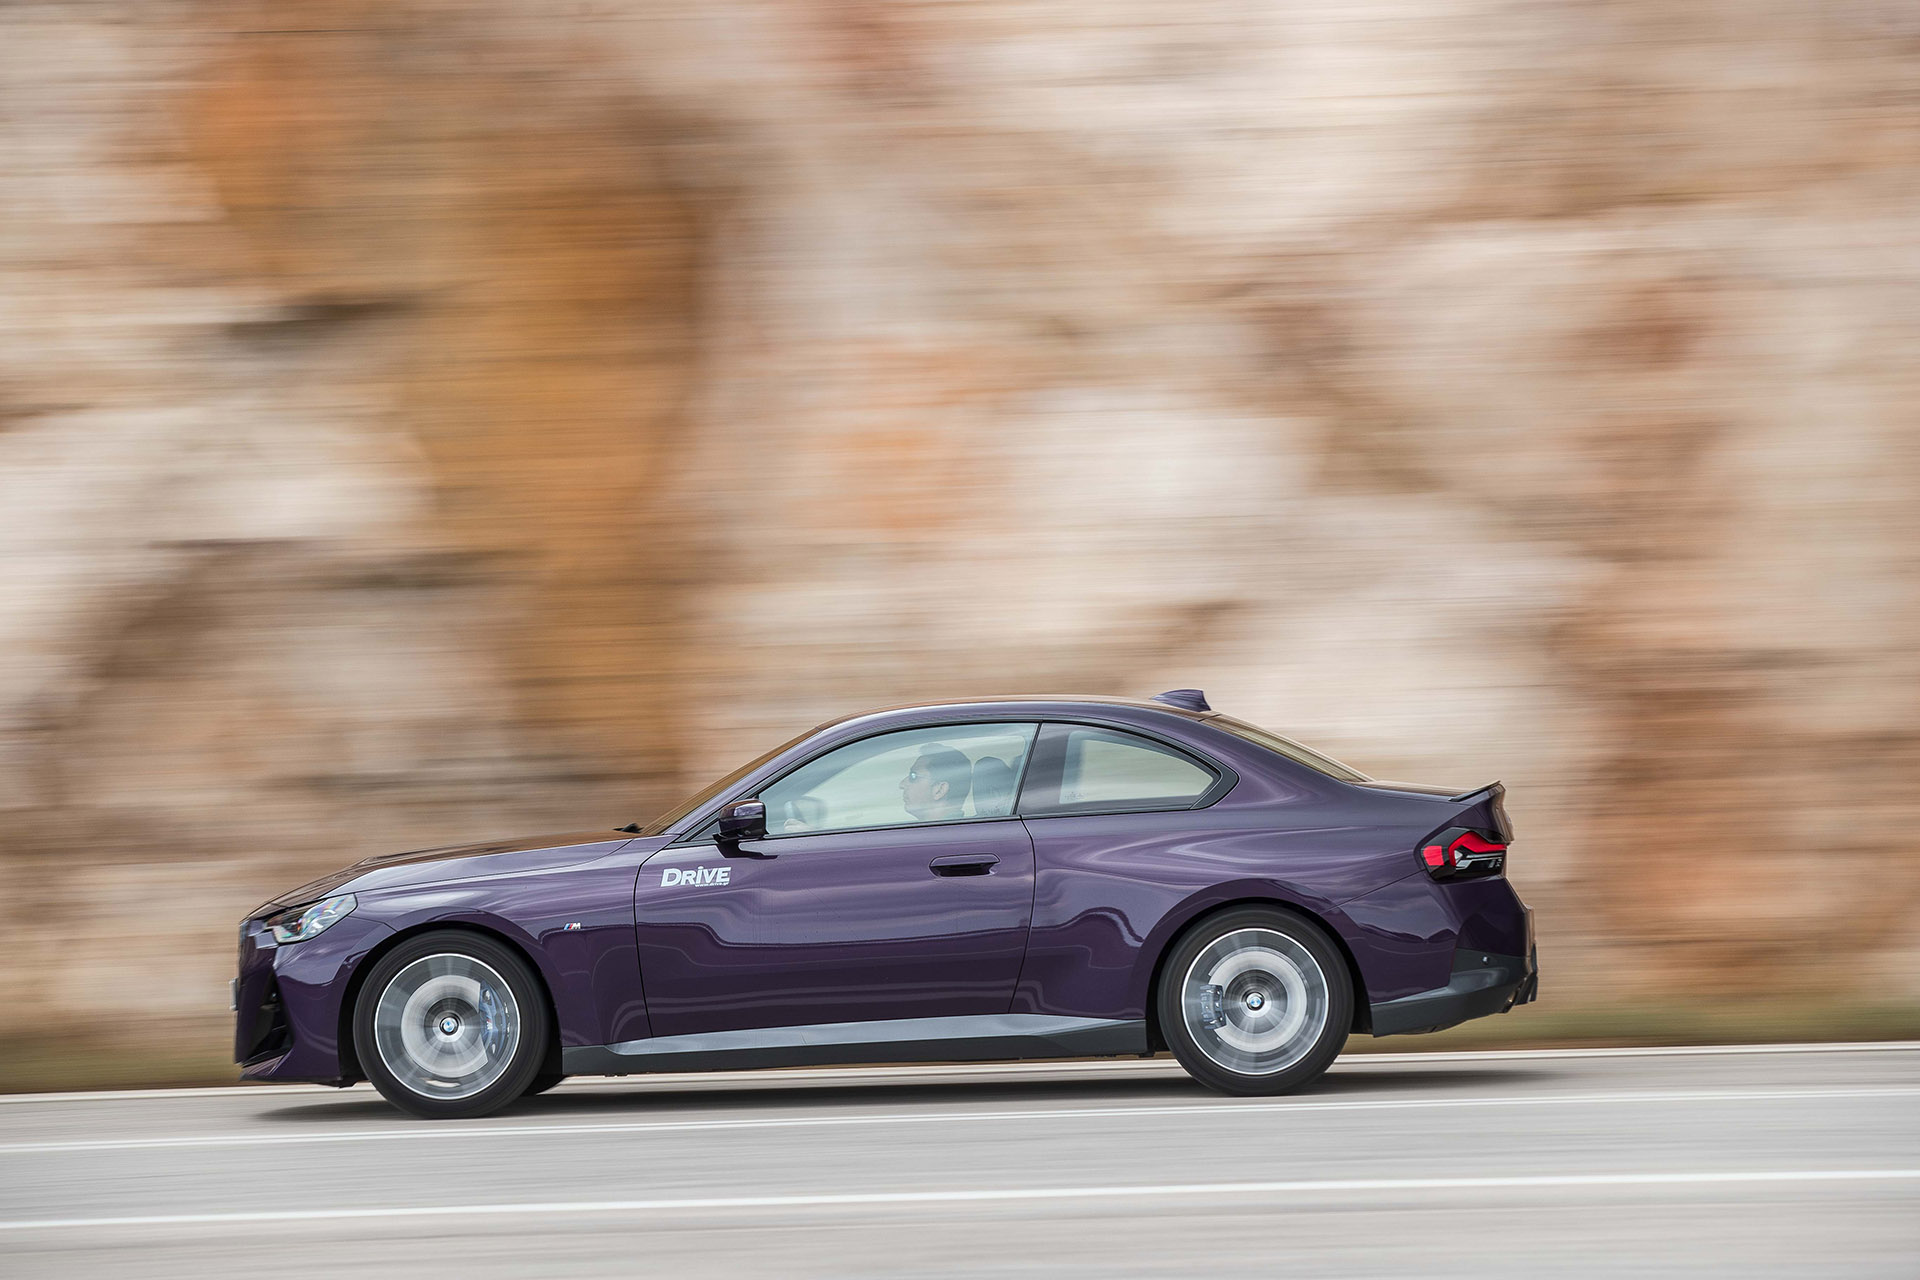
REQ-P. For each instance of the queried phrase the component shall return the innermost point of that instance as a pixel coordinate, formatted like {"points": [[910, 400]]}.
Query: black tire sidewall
{"points": [[543, 1082], [1172, 1018], [529, 1055]]}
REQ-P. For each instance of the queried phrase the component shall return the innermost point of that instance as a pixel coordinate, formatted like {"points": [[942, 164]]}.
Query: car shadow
{"points": [[758, 1093]]}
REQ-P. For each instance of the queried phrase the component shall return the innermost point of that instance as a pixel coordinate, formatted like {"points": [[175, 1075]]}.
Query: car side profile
{"points": [[996, 879]]}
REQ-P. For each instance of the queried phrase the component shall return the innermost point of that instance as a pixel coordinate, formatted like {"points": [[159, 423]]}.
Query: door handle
{"points": [[963, 864]]}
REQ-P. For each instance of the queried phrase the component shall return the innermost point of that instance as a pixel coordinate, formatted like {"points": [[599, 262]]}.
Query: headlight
{"points": [[301, 923]]}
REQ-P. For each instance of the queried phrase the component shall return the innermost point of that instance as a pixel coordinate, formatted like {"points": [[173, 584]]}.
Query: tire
{"points": [[450, 1025], [543, 1082], [1255, 1001]]}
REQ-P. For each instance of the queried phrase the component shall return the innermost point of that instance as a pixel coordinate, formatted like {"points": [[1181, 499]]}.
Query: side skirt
{"points": [[984, 1038]]}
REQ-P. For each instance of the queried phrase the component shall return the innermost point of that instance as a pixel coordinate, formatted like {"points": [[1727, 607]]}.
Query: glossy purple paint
{"points": [[852, 927], [845, 927]]}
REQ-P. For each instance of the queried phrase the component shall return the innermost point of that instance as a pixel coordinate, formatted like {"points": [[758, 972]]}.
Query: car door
{"points": [[895, 883], [1111, 814]]}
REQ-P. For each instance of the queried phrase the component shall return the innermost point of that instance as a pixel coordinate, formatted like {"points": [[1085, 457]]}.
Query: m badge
{"points": [[695, 875]]}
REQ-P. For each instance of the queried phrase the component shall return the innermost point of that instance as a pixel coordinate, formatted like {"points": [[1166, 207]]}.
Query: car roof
{"points": [[1022, 704]]}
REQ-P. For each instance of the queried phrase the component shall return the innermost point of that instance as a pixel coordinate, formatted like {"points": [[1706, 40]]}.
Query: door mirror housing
{"points": [[742, 820]]}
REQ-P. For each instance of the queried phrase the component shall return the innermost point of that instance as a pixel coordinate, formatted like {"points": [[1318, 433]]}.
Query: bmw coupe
{"points": [[997, 879]]}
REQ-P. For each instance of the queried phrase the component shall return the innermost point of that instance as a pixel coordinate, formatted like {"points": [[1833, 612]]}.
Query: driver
{"points": [[935, 789]]}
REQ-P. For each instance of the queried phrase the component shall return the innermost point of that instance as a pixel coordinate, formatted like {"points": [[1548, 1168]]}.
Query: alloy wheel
{"points": [[1255, 1001], [447, 1026]]}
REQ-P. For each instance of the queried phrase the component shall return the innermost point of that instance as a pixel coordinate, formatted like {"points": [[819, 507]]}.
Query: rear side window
{"points": [[1078, 769]]}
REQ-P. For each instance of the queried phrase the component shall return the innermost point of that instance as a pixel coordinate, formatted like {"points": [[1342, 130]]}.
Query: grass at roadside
{"points": [[194, 1056], [1731, 1021], [54, 1064]]}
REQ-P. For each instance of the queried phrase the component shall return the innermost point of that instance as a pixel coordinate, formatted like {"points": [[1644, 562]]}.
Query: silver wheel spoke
{"points": [[447, 1026], [1255, 1001]]}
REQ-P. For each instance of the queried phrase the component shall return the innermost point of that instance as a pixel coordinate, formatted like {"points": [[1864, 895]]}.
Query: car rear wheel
{"points": [[451, 1025], [543, 1082], [1255, 1000]]}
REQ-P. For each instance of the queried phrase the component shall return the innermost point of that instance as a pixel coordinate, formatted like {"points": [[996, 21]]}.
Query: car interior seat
{"points": [[992, 787]]}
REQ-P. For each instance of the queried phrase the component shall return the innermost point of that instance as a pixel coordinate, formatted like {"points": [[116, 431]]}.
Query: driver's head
{"points": [[936, 786]]}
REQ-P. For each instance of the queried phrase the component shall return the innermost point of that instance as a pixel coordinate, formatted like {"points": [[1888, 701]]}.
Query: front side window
{"points": [[946, 773], [1092, 770]]}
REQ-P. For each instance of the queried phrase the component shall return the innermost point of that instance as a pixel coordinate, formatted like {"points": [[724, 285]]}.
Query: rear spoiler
{"points": [[1487, 799]]}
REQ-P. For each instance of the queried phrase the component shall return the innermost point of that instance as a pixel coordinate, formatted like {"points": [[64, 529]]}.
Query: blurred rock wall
{"points": [[423, 420]]}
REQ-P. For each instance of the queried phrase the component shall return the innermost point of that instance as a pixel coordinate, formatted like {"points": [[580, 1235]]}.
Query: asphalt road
{"points": [[1796, 1160]]}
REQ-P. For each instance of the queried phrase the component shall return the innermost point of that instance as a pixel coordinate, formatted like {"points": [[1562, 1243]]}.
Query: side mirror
{"points": [[742, 820]]}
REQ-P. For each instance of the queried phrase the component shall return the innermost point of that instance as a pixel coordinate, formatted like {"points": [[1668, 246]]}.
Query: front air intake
{"points": [[270, 1035]]}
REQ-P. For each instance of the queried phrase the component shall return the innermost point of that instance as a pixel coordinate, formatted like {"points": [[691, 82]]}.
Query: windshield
{"points": [[1289, 748], [715, 790]]}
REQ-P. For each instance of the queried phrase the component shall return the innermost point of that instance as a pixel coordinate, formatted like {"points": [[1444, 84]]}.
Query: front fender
{"points": [[575, 925]]}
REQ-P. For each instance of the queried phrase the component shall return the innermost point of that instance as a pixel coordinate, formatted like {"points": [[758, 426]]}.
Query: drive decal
{"points": [[695, 875]]}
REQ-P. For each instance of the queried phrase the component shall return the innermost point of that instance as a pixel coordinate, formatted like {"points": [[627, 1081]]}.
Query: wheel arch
{"points": [[350, 1068], [1197, 914]]}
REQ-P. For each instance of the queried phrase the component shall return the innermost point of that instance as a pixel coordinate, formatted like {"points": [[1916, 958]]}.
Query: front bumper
{"points": [[1482, 983], [289, 1001]]}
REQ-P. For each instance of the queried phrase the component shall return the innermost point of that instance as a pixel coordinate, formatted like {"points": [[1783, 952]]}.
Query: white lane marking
{"points": [[1380, 1057], [1367, 1058], [1233, 1110], [888, 1198]]}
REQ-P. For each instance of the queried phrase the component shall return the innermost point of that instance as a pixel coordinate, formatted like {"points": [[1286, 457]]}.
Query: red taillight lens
{"points": [[1458, 851]]}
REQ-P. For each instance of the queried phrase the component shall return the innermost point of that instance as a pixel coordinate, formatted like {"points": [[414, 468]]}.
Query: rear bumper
{"points": [[1482, 983]]}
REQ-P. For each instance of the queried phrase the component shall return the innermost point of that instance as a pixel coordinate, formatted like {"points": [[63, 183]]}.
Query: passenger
{"points": [[935, 789]]}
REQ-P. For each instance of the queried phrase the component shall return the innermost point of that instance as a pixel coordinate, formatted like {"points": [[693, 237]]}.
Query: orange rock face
{"points": [[421, 421]]}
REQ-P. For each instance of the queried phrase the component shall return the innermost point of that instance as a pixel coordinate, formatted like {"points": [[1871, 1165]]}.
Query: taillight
{"points": [[1458, 851]]}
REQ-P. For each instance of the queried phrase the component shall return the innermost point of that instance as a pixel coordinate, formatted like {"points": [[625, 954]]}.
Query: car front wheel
{"points": [[450, 1025], [1255, 1000]]}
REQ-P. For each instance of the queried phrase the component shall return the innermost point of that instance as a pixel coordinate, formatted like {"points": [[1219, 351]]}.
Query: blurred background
{"points": [[425, 421]]}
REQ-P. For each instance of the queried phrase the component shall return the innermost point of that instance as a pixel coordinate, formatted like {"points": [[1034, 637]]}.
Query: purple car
{"points": [[1013, 878]]}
